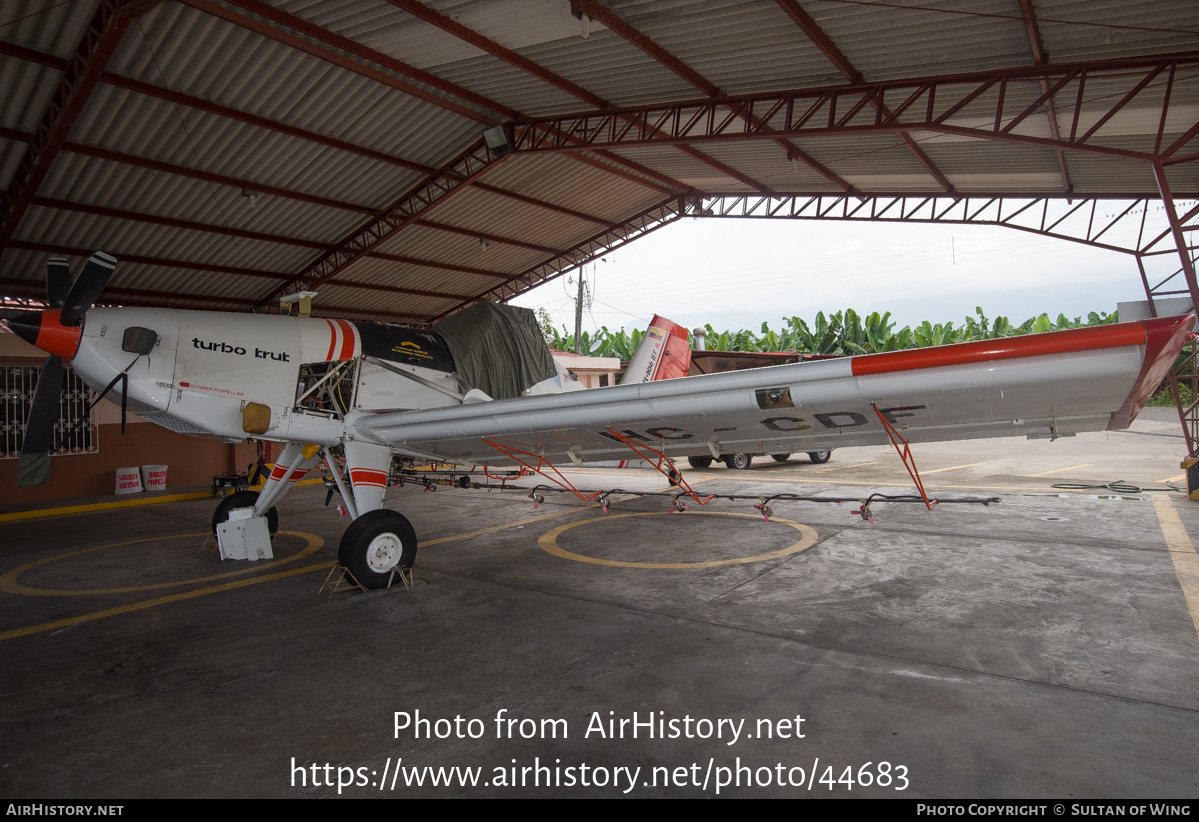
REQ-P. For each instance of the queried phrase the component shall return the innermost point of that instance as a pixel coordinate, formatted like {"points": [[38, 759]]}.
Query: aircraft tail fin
{"points": [[663, 354]]}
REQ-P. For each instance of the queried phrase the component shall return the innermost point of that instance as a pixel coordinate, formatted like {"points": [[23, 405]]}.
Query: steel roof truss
{"points": [[595, 246], [452, 178], [683, 123], [80, 75], [1051, 216]]}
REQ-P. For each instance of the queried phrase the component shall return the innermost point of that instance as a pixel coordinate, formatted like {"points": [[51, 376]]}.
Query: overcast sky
{"points": [[737, 274]]}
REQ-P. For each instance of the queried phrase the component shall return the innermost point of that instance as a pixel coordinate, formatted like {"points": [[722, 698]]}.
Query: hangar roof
{"points": [[229, 152]]}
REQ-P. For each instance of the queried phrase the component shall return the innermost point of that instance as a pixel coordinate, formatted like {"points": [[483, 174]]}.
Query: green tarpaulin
{"points": [[497, 349]]}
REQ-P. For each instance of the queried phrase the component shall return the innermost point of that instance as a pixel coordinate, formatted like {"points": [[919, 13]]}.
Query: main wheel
{"points": [[780, 457], [820, 457], [375, 544], [243, 499], [740, 461], [699, 462]]}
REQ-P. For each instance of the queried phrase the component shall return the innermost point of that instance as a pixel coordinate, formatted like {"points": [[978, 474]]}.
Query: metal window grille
{"points": [[76, 431]]}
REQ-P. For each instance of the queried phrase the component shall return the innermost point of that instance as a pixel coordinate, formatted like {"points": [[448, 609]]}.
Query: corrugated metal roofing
{"points": [[230, 144]]}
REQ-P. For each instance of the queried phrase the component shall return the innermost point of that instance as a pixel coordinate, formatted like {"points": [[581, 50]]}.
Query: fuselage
{"points": [[303, 376]]}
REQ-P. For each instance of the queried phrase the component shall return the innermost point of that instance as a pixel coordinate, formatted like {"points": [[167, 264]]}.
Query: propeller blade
{"points": [[34, 465], [58, 281], [87, 288]]}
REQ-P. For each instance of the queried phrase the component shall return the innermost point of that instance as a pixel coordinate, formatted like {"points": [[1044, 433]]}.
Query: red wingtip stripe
{"points": [[1006, 348]]}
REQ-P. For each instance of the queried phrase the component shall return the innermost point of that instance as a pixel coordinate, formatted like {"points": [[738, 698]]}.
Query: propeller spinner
{"points": [[56, 331]]}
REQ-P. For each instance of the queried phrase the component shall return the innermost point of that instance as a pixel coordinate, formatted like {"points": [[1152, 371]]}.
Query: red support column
{"points": [[1180, 241]]}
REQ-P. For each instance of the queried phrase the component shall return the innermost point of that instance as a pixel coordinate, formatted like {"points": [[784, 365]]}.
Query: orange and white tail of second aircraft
{"points": [[663, 354]]}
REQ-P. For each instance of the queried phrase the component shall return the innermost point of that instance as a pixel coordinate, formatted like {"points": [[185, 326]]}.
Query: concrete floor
{"points": [[1040, 647]]}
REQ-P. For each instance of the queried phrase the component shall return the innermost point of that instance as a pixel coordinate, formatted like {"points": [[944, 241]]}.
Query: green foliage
{"points": [[847, 332], [839, 333], [1164, 398]]}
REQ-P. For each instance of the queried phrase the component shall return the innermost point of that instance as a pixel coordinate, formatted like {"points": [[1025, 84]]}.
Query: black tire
{"points": [[673, 476], [820, 457], [699, 462], [243, 499], [739, 461], [780, 457], [375, 544]]}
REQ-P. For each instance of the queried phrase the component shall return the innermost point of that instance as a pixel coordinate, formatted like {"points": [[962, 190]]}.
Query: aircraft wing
{"points": [[1040, 385]]}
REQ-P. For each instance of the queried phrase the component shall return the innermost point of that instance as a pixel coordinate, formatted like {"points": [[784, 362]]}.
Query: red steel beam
{"points": [[395, 289], [1176, 228], [1041, 57], [151, 90], [97, 46], [335, 57], [482, 235], [227, 112], [55, 248], [208, 176], [524, 198], [191, 225], [632, 171], [957, 209], [832, 111], [828, 48], [417, 261], [595, 246], [622, 27], [160, 298], [451, 179], [276, 191], [173, 222], [526, 65]]}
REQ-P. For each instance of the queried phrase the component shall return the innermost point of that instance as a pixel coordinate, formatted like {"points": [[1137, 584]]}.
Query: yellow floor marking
{"points": [[489, 529], [950, 468], [897, 480], [9, 583], [116, 504], [1057, 472], [153, 603], [229, 586], [844, 467], [1174, 479], [1182, 552], [549, 542]]}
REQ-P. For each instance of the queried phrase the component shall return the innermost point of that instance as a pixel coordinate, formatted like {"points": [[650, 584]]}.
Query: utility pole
{"points": [[579, 314]]}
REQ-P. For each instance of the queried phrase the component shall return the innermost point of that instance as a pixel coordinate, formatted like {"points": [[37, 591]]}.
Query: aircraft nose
{"points": [[43, 329]]}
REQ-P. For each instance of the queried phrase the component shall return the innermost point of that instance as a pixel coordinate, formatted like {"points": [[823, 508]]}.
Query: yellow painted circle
{"points": [[9, 582], [549, 542]]}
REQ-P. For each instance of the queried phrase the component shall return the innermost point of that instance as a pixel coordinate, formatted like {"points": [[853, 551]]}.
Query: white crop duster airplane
{"points": [[481, 389]]}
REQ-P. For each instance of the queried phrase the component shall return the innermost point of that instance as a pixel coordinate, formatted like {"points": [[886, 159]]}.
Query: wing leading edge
{"points": [[1050, 384]]}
